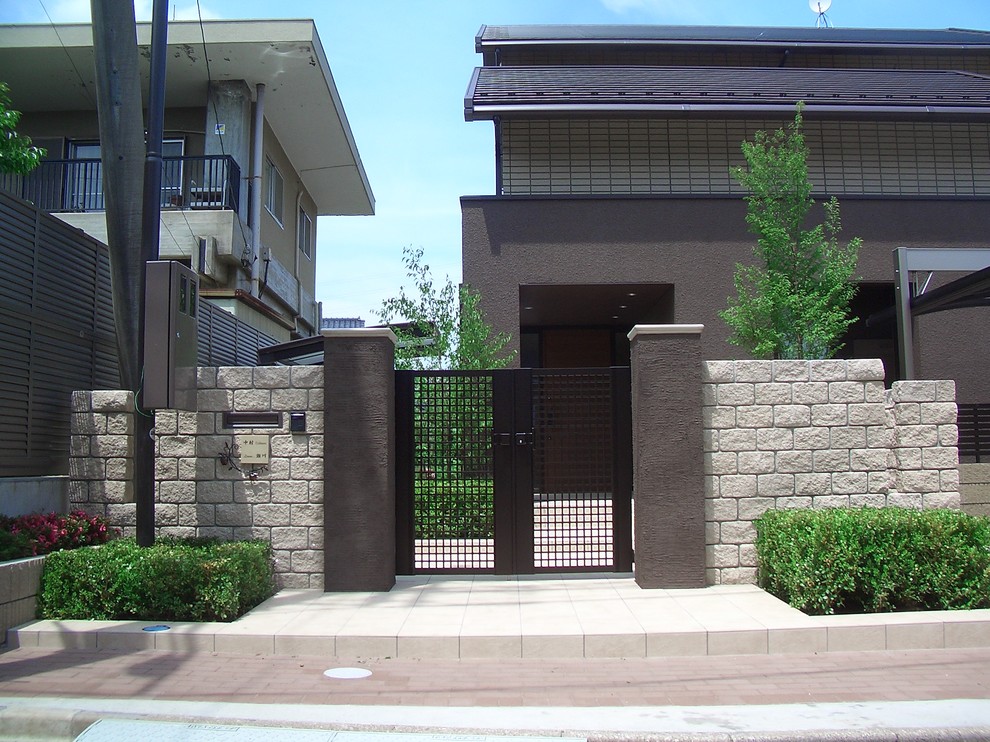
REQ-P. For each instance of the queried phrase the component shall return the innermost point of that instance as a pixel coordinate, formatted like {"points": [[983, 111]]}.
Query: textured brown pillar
{"points": [[668, 459], [359, 459]]}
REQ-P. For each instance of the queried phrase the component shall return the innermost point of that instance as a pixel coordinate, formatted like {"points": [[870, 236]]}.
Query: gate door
{"points": [[513, 471]]}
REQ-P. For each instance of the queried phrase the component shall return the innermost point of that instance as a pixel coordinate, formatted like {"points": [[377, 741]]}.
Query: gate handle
{"points": [[524, 439], [501, 439]]}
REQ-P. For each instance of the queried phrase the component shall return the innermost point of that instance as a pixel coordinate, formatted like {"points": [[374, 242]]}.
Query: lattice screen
{"points": [[453, 501], [629, 156], [572, 470]]}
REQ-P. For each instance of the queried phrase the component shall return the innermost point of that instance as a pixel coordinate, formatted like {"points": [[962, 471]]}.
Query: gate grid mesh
{"points": [[572, 470], [453, 501]]}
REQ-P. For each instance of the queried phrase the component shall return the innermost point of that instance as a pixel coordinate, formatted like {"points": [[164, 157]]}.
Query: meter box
{"points": [[170, 337]]}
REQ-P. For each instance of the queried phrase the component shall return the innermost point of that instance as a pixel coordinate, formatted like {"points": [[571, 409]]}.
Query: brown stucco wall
{"points": [[694, 243], [359, 459], [668, 466]]}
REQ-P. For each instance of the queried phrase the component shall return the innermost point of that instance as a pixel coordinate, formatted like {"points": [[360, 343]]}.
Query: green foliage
{"points": [[455, 509], [795, 302], [448, 327], [14, 546], [17, 154], [875, 560], [452, 425], [170, 581]]}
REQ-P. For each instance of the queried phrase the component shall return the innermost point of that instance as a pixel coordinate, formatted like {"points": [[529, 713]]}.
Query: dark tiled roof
{"points": [[504, 90], [730, 35]]}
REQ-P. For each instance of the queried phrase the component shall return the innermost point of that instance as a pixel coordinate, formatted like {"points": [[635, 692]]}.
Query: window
{"points": [[172, 151], [274, 185], [84, 177], [305, 234]]}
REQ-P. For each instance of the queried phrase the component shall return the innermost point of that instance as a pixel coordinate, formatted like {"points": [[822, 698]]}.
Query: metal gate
{"points": [[513, 471]]}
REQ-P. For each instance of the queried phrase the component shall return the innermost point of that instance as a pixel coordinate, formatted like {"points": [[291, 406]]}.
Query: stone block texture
{"points": [[974, 488], [817, 434], [20, 582], [196, 494]]}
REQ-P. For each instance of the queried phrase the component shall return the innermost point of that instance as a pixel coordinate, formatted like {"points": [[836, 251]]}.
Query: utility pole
{"points": [[144, 443], [132, 226]]}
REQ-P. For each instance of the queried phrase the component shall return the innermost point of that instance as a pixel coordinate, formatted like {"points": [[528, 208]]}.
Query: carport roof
{"points": [[590, 90]]}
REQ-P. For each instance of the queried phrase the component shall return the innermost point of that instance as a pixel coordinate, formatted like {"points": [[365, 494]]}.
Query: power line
{"points": [[85, 88]]}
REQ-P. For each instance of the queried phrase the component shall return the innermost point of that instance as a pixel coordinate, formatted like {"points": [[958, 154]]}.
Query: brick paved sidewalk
{"points": [[732, 680]]}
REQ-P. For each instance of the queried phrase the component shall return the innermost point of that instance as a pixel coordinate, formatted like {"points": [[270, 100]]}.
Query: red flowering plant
{"points": [[49, 532]]}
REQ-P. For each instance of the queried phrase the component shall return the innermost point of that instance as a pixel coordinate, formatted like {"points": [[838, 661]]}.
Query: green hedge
{"points": [[455, 509], [874, 560], [174, 580]]}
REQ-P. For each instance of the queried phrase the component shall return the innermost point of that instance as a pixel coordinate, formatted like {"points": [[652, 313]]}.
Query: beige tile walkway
{"points": [[572, 616]]}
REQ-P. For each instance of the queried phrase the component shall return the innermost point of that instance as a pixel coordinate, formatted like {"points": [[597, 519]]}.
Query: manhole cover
{"points": [[347, 673]]}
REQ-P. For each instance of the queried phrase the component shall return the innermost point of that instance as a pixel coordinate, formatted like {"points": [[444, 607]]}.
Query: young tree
{"points": [[447, 325], [795, 302], [17, 154]]}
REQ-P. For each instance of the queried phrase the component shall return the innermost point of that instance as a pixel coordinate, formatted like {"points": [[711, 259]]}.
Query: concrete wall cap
{"points": [[665, 330], [360, 332]]}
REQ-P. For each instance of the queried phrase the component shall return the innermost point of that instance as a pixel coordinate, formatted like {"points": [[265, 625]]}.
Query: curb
{"points": [[56, 724]]}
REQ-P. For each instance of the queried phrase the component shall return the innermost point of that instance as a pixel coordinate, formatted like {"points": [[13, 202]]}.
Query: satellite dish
{"points": [[819, 7]]}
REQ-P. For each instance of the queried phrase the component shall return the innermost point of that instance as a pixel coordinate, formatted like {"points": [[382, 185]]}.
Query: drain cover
{"points": [[347, 673]]}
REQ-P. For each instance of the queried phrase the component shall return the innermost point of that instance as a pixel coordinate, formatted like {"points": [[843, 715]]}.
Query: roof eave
{"points": [[483, 45], [489, 112]]}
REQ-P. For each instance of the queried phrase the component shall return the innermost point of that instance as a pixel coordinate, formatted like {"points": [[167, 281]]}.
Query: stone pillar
{"points": [[359, 459], [668, 459]]}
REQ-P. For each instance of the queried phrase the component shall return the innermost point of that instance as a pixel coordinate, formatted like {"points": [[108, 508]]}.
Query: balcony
{"points": [[60, 186]]}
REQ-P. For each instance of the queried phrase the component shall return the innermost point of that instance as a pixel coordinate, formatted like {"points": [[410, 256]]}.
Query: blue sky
{"points": [[402, 68]]}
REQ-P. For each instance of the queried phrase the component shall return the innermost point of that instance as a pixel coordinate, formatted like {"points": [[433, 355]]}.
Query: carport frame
{"points": [[970, 291]]}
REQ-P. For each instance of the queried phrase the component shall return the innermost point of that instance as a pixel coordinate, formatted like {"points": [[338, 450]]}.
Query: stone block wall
{"points": [[196, 492], [974, 488], [817, 434], [20, 583], [775, 434]]}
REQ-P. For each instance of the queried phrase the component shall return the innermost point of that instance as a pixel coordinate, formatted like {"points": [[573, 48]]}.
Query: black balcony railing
{"points": [[211, 182]]}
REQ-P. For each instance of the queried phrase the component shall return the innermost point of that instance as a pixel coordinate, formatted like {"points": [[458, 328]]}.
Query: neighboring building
{"points": [[233, 88], [341, 323], [614, 204]]}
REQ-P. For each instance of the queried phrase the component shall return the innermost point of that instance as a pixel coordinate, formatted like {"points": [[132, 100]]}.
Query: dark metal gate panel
{"points": [[513, 471], [445, 488], [577, 476]]}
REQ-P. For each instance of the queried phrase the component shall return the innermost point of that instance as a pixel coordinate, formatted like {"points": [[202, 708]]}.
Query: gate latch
{"points": [[502, 439], [524, 439]]}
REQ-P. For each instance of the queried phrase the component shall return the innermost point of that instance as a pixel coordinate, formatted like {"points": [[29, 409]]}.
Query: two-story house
{"points": [[614, 203], [251, 106]]}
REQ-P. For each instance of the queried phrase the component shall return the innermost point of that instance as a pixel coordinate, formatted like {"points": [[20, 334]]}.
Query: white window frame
{"points": [[274, 191], [304, 233]]}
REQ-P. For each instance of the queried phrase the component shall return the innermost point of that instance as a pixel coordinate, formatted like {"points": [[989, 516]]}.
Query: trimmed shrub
{"points": [[170, 581], [50, 532], [455, 509], [873, 560]]}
